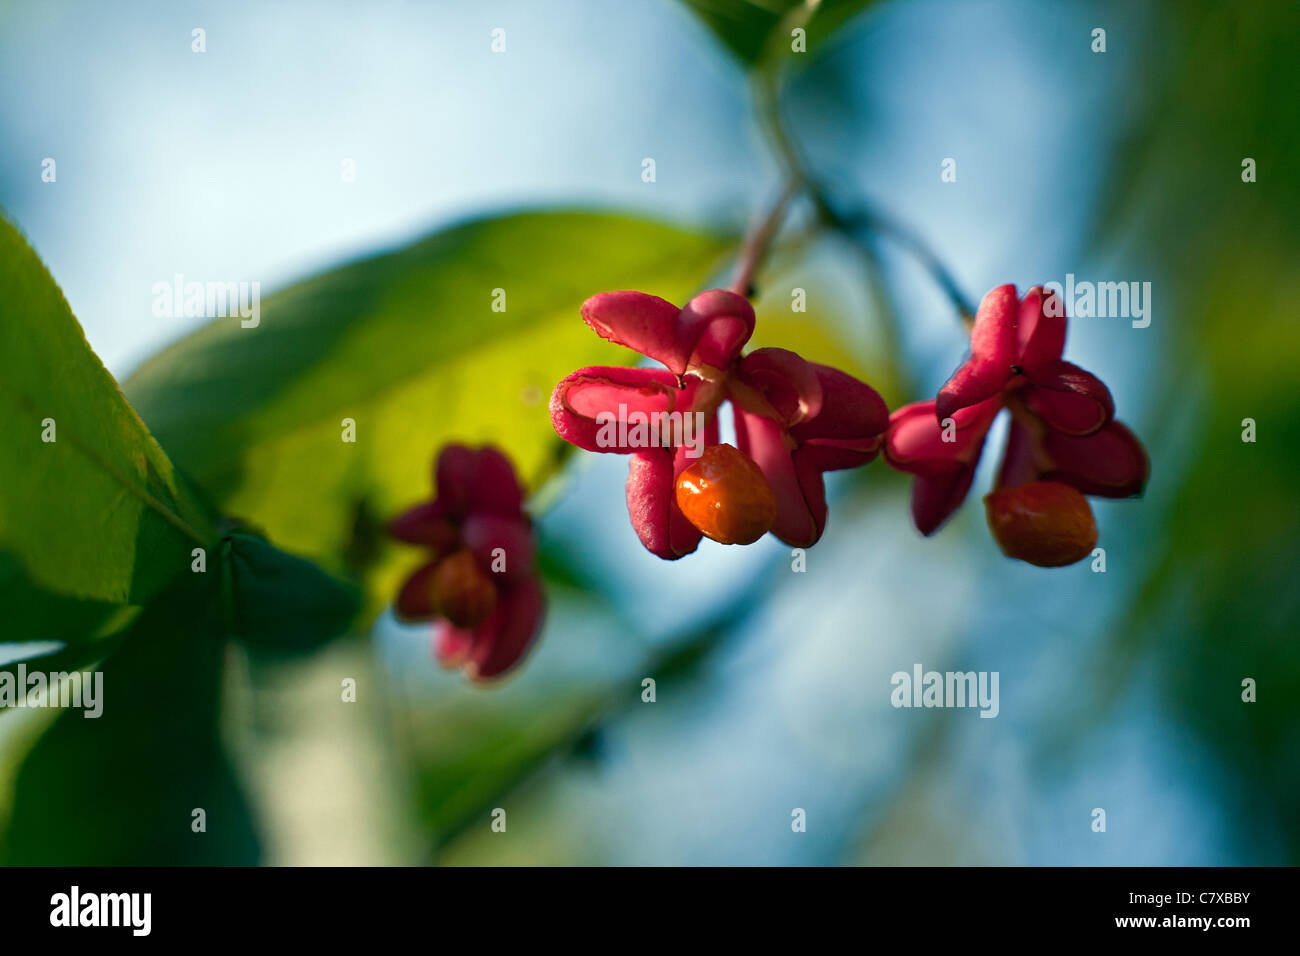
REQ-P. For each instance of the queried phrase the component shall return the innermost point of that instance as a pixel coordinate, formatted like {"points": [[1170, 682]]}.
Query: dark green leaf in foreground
{"points": [[753, 28], [122, 788], [406, 345], [97, 518], [277, 603]]}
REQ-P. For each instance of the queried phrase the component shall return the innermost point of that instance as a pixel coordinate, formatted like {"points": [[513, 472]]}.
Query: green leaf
{"points": [[1221, 602], [469, 750], [95, 518], [753, 29], [406, 345], [278, 603], [121, 788]]}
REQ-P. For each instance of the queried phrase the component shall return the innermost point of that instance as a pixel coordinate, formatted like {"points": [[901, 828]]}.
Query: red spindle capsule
{"points": [[463, 592]]}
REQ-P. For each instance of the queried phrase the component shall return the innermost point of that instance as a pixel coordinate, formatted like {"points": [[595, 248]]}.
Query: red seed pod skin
{"points": [[726, 496], [462, 591], [1046, 523]]}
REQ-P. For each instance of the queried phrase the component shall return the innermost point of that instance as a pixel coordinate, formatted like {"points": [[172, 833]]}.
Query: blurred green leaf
{"points": [[407, 345], [121, 788], [751, 29], [277, 603], [468, 751], [96, 518], [1219, 85]]}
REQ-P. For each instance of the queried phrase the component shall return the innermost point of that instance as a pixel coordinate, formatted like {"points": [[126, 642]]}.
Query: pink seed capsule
{"points": [[462, 592]]}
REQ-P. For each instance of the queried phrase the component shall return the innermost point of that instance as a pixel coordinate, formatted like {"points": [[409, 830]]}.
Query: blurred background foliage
{"points": [[1119, 690], [416, 347], [1223, 582]]}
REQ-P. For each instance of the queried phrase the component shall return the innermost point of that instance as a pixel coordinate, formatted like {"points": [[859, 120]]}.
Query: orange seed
{"points": [[1047, 523], [725, 495]]}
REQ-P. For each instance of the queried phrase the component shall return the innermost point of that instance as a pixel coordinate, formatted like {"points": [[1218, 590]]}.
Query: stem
{"points": [[869, 220], [865, 220], [765, 91], [760, 239]]}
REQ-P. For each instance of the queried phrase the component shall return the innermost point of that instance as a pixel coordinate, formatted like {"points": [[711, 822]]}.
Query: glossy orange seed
{"points": [[1046, 523], [725, 495]]}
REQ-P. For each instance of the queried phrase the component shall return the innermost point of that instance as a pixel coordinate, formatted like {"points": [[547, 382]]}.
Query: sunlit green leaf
{"points": [[408, 347], [92, 514]]}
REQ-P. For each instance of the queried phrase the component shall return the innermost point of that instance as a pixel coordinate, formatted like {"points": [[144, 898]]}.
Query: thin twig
{"points": [[863, 221], [867, 220], [758, 242]]}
